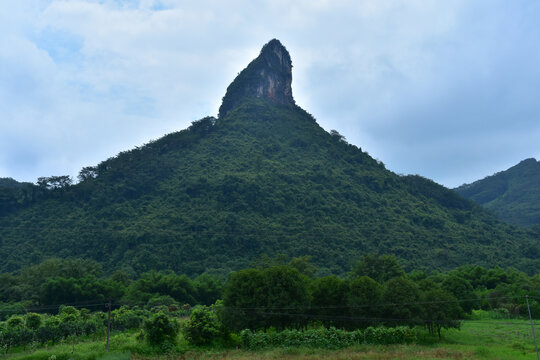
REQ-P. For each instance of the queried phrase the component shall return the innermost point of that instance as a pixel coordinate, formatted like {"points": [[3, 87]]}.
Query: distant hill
{"points": [[13, 194], [513, 194], [263, 178], [9, 183]]}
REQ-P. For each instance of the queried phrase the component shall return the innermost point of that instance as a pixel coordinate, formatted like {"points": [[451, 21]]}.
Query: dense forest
{"points": [[264, 179]]}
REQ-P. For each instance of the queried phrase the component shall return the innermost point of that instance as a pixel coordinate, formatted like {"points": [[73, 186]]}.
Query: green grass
{"points": [[493, 339], [478, 339]]}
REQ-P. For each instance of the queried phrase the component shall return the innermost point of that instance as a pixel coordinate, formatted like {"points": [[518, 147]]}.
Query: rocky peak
{"points": [[269, 77]]}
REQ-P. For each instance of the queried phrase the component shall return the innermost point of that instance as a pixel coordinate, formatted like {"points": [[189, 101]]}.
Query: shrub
{"points": [[68, 313], [15, 322], [33, 321], [160, 301], [124, 318], [160, 329], [389, 335], [203, 327], [331, 338]]}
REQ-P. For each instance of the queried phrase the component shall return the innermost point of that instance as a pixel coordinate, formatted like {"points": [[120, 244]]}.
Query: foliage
{"points": [[203, 327], [256, 298], [363, 298], [379, 268], [159, 329], [512, 194], [54, 182], [48, 329], [401, 298], [390, 335], [208, 289], [327, 295], [489, 339], [262, 179], [33, 321], [125, 318], [328, 338], [441, 310]]}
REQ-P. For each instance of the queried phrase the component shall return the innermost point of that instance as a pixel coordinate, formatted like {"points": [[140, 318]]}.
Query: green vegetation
{"points": [[513, 194], [162, 232], [330, 338], [205, 328], [478, 339], [264, 179], [281, 305], [160, 330]]}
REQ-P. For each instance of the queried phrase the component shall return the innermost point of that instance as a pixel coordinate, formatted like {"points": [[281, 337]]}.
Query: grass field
{"points": [[477, 339]]}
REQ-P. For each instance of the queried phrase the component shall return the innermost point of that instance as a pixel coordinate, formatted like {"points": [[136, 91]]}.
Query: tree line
{"points": [[272, 286], [278, 294]]}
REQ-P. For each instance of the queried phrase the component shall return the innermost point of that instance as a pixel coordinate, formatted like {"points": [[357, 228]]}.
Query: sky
{"points": [[449, 90]]}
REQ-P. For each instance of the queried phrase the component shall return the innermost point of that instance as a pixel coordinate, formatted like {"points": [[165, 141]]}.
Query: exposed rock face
{"points": [[269, 76]]}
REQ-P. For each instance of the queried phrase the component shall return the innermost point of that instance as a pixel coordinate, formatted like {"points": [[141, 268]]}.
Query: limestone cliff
{"points": [[269, 76]]}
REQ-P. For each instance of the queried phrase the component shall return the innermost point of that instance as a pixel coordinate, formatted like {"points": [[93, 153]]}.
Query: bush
{"points": [[203, 327], [161, 301], [160, 329], [389, 335], [15, 322], [68, 313], [331, 338], [49, 331], [33, 321], [124, 318]]}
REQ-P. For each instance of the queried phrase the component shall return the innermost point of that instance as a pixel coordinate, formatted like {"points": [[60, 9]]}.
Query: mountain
{"points": [[9, 183], [513, 194], [262, 178], [12, 194]]}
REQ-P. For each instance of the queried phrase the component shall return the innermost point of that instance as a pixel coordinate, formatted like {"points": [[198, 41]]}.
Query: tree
{"points": [[33, 321], [380, 268], [54, 182], [15, 322], [257, 299], [208, 289], [363, 296], [87, 173], [461, 289], [156, 283], [160, 329], [401, 297], [337, 135], [303, 265], [203, 327], [328, 294], [285, 288], [441, 310], [244, 299]]}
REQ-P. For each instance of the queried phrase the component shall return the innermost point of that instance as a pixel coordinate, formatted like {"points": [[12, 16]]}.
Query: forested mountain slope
{"points": [[513, 194], [263, 178]]}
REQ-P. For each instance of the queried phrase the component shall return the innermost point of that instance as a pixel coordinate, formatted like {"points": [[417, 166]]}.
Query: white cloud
{"points": [[402, 79]]}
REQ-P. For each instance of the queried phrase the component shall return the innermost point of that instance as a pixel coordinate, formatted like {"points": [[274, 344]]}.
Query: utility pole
{"points": [[532, 326], [108, 324]]}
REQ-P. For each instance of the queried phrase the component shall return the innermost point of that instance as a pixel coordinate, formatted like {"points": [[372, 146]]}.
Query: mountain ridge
{"points": [[512, 194]]}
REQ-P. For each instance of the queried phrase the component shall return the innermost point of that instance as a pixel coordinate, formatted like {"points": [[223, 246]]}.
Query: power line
{"points": [[377, 304], [79, 305], [379, 319], [98, 302]]}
